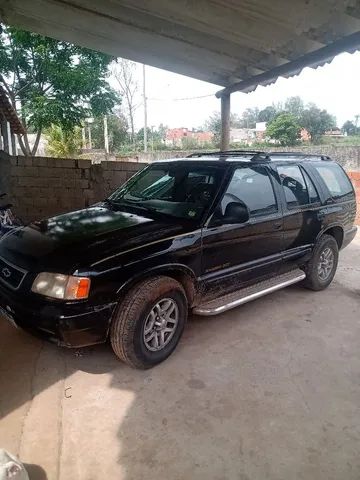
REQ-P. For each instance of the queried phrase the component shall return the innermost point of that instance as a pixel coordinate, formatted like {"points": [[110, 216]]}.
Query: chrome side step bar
{"points": [[232, 300]]}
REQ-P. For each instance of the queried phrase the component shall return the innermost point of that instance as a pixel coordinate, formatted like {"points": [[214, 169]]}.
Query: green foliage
{"points": [[285, 129], [317, 121], [295, 106], [213, 124], [350, 128], [268, 114], [63, 143], [117, 132], [53, 82], [249, 118]]}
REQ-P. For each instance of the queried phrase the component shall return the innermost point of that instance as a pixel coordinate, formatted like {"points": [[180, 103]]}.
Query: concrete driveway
{"points": [[270, 390]]}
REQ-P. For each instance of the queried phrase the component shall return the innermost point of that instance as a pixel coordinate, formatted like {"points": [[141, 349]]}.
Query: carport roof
{"points": [[232, 43], [7, 110]]}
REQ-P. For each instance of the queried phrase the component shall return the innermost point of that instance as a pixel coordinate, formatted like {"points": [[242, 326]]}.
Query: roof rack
{"points": [[301, 154], [256, 154]]}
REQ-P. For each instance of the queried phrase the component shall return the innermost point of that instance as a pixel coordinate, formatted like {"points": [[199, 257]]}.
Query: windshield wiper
{"points": [[111, 203]]}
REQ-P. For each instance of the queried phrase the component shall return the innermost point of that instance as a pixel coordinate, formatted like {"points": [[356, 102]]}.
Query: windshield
{"points": [[183, 191]]}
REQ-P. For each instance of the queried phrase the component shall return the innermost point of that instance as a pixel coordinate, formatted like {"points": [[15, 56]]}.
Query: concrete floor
{"points": [[270, 390]]}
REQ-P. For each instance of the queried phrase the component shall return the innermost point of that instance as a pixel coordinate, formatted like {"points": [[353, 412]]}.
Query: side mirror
{"points": [[236, 212]]}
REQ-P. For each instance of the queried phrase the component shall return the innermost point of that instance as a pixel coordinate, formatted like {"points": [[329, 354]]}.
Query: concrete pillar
{"points": [[4, 133], [106, 135], [225, 122], [10, 145], [13, 144]]}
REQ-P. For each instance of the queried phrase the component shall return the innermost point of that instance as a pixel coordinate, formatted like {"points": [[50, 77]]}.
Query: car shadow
{"points": [[241, 389]]}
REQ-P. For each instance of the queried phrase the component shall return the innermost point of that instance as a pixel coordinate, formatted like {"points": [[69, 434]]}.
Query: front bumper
{"points": [[66, 324]]}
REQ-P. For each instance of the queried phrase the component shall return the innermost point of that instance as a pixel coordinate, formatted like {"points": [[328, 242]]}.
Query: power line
{"points": [[180, 99]]}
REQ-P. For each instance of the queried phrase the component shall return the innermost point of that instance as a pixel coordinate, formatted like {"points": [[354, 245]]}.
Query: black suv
{"points": [[206, 233]]}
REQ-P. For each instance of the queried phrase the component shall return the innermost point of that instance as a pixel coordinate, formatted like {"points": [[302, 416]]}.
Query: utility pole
{"points": [[106, 135], [145, 111], [83, 137], [89, 132]]}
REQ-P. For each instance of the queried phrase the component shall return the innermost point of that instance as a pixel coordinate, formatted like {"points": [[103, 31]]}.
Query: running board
{"points": [[232, 300]]}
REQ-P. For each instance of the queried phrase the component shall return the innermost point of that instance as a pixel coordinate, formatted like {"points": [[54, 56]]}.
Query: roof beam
{"points": [[349, 44]]}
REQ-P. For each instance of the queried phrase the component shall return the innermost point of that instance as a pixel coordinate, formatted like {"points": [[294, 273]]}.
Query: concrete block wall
{"points": [[355, 178], [39, 187]]}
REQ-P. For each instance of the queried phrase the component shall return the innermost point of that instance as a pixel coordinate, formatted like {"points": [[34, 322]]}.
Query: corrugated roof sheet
{"points": [[220, 41], [9, 113]]}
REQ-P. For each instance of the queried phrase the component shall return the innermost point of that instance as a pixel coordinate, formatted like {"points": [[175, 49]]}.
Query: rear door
{"points": [[238, 254], [303, 213]]}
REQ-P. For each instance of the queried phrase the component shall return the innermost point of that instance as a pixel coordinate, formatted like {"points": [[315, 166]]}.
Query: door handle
{"points": [[277, 225]]}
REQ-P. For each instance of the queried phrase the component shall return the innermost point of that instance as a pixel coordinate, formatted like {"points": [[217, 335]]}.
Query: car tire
{"points": [[321, 269], [149, 322]]}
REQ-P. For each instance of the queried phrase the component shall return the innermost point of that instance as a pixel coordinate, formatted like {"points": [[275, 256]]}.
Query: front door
{"points": [[238, 254]]}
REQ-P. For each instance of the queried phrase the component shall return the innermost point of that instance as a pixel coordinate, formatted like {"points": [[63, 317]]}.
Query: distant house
{"points": [[176, 136], [260, 130], [305, 135], [334, 132], [242, 135]]}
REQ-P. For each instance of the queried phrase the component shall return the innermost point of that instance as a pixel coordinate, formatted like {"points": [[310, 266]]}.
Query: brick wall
{"points": [[40, 187]]}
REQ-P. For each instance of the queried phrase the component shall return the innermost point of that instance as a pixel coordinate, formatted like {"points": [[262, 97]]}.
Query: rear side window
{"points": [[252, 186], [295, 189], [313, 194], [335, 179]]}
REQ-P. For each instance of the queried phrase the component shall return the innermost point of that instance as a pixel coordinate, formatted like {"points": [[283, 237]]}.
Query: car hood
{"points": [[79, 238]]}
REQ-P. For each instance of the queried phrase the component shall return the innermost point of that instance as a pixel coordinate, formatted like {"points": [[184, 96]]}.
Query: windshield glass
{"points": [[179, 190]]}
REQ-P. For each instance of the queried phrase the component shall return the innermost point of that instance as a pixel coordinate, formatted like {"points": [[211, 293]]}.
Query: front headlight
{"points": [[64, 287]]}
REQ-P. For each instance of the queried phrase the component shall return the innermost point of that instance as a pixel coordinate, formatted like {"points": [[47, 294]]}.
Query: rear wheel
{"points": [[321, 269], [149, 322]]}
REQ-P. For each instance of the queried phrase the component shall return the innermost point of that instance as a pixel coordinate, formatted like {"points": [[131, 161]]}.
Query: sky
{"points": [[334, 87]]}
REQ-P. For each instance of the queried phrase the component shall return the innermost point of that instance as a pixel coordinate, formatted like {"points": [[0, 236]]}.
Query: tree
{"points": [[267, 114], [249, 118], [63, 143], [350, 128], [316, 121], [117, 131], [213, 124], [284, 128], [52, 82], [125, 73], [156, 137], [295, 106]]}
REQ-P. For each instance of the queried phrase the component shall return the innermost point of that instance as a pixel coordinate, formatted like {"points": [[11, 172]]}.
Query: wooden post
{"points": [[225, 122]]}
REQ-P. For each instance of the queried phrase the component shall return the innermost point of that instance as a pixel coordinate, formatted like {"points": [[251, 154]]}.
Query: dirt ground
{"points": [[270, 390]]}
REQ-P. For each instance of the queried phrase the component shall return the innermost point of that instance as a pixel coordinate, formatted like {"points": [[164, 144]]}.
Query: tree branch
{"points": [[36, 144], [25, 151]]}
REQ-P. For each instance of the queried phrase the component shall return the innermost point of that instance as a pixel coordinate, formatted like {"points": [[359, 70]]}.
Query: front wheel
{"points": [[149, 322], [321, 269]]}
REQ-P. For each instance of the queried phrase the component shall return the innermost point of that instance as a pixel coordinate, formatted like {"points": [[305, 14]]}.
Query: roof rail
{"points": [[224, 153], [301, 154], [256, 155]]}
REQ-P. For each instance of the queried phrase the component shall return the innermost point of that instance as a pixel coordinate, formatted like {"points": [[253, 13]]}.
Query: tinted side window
{"points": [[293, 182], [313, 194], [253, 187], [335, 179]]}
